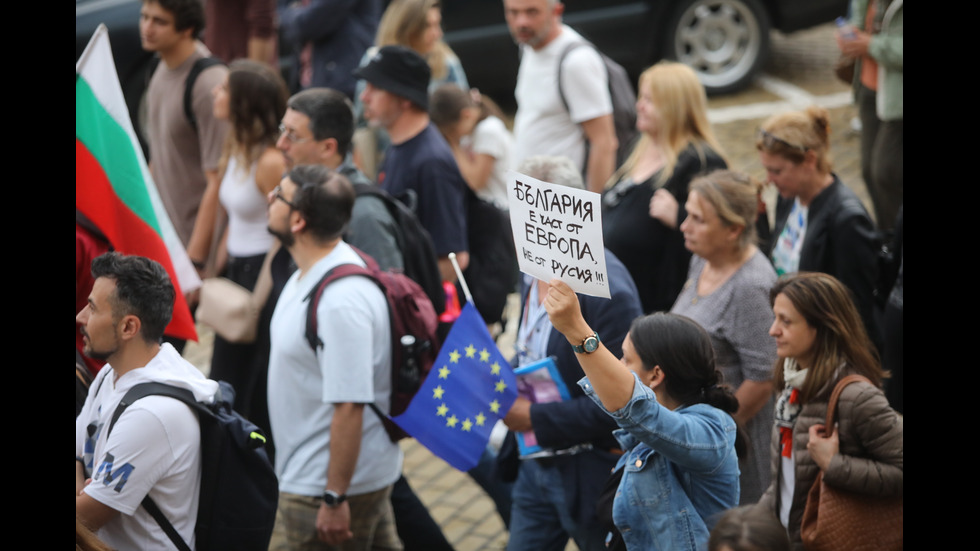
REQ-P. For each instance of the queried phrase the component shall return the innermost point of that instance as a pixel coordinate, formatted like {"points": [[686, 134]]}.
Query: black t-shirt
{"points": [[425, 164]]}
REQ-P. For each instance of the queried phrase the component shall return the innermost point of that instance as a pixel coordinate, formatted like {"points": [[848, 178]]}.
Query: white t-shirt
{"points": [[353, 366], [491, 137], [154, 448], [542, 126]]}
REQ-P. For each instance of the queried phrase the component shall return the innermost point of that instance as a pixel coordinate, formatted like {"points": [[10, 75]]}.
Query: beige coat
{"points": [[870, 460]]}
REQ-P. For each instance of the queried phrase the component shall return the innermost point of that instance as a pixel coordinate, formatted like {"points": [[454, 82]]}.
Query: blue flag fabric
{"points": [[470, 386]]}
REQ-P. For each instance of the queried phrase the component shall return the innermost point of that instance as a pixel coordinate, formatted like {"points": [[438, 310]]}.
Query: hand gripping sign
{"points": [[558, 233]]}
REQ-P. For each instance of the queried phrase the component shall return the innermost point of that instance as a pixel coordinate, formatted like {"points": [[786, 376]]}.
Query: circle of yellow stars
{"points": [[479, 420]]}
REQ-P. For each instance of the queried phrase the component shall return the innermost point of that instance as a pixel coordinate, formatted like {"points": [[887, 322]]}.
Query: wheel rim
{"points": [[719, 39]]}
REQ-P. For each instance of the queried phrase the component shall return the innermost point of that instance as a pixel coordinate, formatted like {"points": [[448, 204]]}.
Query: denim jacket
{"points": [[680, 471]]}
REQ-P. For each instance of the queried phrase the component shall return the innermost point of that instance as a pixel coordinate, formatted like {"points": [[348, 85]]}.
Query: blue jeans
{"points": [[540, 518]]}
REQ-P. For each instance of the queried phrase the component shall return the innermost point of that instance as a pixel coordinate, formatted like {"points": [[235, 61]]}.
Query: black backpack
{"points": [[239, 490], [200, 65], [492, 272], [414, 341], [414, 242], [623, 100]]}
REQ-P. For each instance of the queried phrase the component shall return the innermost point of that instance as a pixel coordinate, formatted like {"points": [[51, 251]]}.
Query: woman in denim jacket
{"points": [[681, 467]]}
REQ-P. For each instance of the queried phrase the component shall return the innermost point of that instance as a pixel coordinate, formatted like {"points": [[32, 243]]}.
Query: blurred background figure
{"points": [[821, 224], [252, 99], [242, 29], [328, 39], [415, 24], [643, 204], [893, 320], [473, 125], [748, 528], [875, 39], [820, 339], [727, 293]]}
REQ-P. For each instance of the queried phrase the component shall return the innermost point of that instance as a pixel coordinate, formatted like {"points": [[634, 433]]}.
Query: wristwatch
{"points": [[332, 498], [589, 344]]}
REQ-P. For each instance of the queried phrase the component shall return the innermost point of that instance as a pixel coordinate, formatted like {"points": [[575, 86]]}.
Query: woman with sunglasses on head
{"points": [[680, 467], [643, 204], [253, 100], [821, 225], [820, 339], [727, 293]]}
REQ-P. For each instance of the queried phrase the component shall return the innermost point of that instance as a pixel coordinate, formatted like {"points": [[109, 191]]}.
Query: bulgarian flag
{"points": [[113, 187]]}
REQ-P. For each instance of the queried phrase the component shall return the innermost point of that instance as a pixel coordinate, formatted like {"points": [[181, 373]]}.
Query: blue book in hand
{"points": [[539, 382]]}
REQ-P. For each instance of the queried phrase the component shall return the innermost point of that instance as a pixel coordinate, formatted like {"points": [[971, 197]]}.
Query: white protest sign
{"points": [[558, 233]]}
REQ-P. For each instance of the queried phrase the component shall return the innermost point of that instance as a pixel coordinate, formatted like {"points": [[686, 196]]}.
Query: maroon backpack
{"points": [[414, 342]]}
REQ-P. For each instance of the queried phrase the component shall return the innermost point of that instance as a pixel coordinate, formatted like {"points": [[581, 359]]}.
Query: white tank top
{"points": [[248, 215]]}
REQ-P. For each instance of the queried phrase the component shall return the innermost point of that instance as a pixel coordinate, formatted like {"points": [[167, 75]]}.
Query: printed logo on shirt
{"points": [[111, 474]]}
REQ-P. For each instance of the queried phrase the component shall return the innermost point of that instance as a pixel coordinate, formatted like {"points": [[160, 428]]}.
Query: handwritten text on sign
{"points": [[558, 233]]}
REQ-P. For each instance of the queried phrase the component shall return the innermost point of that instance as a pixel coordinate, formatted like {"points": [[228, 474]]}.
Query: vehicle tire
{"points": [[726, 42]]}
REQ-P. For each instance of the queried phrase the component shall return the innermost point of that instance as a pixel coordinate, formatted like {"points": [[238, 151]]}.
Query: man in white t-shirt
{"points": [[335, 462], [154, 449], [543, 126]]}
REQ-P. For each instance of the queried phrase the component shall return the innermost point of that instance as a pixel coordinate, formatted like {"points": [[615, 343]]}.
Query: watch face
{"points": [[591, 344]]}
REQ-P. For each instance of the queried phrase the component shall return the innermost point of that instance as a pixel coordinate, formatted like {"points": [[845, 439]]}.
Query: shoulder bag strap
{"points": [[838, 389]]}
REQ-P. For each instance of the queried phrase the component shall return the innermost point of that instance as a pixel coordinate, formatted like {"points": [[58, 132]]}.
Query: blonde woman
{"points": [[821, 225], [643, 204]]}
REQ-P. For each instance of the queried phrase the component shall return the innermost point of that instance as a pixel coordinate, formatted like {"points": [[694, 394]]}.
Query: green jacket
{"points": [[886, 48]]}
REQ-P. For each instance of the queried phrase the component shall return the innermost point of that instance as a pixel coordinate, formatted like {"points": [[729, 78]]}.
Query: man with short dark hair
{"points": [[419, 160], [317, 128], [582, 128], [335, 463], [155, 446], [183, 156]]}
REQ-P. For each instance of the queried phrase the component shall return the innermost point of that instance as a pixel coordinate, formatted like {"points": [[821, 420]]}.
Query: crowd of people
{"points": [[698, 390]]}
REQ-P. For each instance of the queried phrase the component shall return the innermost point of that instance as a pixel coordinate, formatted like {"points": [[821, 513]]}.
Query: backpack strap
{"points": [[335, 273], [199, 66], [156, 389], [561, 61]]}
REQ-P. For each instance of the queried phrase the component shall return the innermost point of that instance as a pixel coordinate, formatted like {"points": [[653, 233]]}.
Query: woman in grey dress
{"points": [[727, 292]]}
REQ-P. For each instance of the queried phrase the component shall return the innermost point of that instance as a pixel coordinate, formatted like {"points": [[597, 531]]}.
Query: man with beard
{"points": [[335, 463], [581, 129], [155, 446]]}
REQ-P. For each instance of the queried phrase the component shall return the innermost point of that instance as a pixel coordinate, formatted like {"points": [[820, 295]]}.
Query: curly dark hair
{"points": [[143, 289]]}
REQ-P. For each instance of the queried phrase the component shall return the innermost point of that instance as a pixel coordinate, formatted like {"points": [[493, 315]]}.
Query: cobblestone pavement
{"points": [[798, 74]]}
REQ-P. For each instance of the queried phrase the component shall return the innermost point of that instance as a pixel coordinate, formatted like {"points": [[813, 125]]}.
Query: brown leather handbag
{"points": [[836, 519]]}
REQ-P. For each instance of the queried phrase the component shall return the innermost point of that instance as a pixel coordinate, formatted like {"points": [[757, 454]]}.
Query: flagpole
{"points": [[459, 276]]}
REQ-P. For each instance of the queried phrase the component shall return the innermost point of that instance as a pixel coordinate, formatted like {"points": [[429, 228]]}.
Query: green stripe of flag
{"points": [[111, 146]]}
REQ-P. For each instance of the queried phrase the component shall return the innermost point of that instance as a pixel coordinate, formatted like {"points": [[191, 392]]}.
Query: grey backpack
{"points": [[623, 100]]}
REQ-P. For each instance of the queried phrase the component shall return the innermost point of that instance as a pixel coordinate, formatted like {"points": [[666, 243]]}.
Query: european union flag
{"points": [[470, 386]]}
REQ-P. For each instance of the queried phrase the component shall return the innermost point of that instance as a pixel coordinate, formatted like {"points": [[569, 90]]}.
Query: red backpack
{"points": [[414, 342]]}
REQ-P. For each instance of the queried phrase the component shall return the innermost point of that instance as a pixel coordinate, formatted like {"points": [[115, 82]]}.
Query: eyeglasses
{"points": [[291, 136], [277, 194], [769, 140]]}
